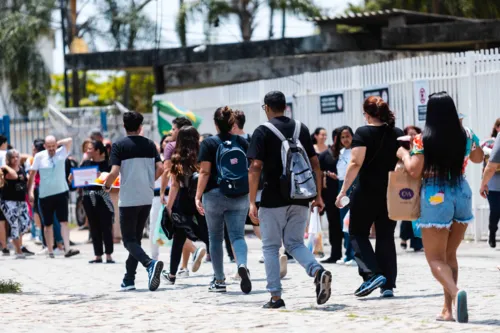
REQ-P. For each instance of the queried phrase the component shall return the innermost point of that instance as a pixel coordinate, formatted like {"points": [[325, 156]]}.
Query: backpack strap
{"points": [[296, 133], [275, 131]]}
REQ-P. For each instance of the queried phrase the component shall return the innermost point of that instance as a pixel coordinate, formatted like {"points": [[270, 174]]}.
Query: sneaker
{"points": [[20, 256], [197, 258], [26, 251], [6, 252], [291, 260], [245, 284], [351, 262], [261, 260], [369, 286], [323, 282], [154, 272], [386, 293], [183, 273], [58, 252], [127, 286], [283, 266], [274, 305], [460, 307], [217, 286], [329, 260], [340, 262], [51, 255], [43, 252], [166, 276], [492, 240], [71, 252]]}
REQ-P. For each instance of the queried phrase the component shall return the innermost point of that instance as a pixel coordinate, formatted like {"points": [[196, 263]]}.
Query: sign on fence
{"points": [[421, 91], [331, 102], [382, 91], [289, 107]]}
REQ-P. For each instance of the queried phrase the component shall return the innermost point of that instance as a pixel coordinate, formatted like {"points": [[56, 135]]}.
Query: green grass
{"points": [[352, 316], [9, 287]]}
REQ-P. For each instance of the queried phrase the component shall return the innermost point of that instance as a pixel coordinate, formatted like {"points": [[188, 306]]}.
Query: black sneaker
{"points": [[217, 286], [127, 285], [323, 282], [245, 284], [71, 253], [492, 240], [6, 252], [26, 251], [166, 276], [274, 305], [369, 286]]}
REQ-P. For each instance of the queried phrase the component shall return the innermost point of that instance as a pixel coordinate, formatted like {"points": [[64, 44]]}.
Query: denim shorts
{"points": [[441, 205]]}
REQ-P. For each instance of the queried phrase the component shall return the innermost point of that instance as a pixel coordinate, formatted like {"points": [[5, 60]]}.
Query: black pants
{"points": [[334, 230], [367, 209], [101, 224], [180, 236], [406, 233], [132, 223], [494, 201]]}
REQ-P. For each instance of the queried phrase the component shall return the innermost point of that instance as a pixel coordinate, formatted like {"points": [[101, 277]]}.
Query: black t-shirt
{"points": [[380, 157], [15, 189], [208, 153], [266, 147], [328, 163], [102, 166]]}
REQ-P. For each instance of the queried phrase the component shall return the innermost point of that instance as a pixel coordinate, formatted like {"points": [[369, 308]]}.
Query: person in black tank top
{"points": [[373, 155]]}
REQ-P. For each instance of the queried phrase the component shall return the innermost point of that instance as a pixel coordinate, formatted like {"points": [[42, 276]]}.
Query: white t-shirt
{"points": [[52, 172], [3, 153], [343, 162]]}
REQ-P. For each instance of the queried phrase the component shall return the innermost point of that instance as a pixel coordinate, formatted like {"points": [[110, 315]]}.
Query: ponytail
{"points": [[224, 119], [377, 108]]}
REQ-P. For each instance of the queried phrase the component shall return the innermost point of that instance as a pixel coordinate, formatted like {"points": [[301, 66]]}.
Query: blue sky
{"points": [[228, 32]]}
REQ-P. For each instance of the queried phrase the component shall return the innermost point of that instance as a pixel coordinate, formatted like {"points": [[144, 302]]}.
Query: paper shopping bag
{"points": [[403, 196]]}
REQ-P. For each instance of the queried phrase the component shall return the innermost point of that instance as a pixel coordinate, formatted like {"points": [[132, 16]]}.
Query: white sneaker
{"points": [[183, 273], [340, 262], [20, 256], [351, 262], [283, 265], [261, 260], [44, 252], [198, 256], [58, 252]]}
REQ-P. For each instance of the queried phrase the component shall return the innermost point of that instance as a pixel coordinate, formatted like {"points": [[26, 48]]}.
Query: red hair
{"points": [[376, 107]]}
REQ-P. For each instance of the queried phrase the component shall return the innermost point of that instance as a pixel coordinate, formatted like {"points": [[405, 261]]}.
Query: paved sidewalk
{"points": [[69, 295]]}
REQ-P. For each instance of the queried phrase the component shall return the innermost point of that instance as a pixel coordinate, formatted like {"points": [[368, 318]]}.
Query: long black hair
{"points": [[98, 145], [338, 142], [444, 140], [316, 132]]}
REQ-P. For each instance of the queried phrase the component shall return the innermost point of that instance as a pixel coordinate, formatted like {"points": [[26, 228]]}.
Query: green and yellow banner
{"points": [[167, 112]]}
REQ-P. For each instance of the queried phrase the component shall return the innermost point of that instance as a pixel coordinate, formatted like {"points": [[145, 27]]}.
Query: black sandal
{"points": [[95, 261], [404, 245], [111, 261]]}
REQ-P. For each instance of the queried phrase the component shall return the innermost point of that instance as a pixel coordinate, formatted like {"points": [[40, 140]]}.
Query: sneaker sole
{"points": [[129, 288], [155, 281], [167, 280], [217, 290], [461, 303], [379, 282], [245, 284], [283, 266], [197, 262], [325, 288]]}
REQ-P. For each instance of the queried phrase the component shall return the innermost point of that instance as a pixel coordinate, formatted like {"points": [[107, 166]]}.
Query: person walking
{"points": [[53, 190], [223, 182], [491, 182], [180, 205], [283, 219], [138, 163], [373, 155], [98, 205], [446, 197]]}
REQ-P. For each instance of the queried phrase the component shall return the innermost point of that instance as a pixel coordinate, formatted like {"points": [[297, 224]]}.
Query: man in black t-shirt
{"points": [[138, 163], [283, 220]]}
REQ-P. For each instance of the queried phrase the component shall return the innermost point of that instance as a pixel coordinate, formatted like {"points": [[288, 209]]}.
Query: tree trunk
{"points": [[271, 19], [283, 22], [246, 26]]}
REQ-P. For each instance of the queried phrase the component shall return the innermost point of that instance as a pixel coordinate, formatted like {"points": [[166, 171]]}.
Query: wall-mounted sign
{"points": [[382, 91], [331, 103], [421, 95], [289, 107]]}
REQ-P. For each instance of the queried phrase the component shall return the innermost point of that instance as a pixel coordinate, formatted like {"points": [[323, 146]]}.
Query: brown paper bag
{"points": [[403, 196]]}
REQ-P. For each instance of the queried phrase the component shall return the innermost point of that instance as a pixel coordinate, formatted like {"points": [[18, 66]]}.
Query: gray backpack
{"points": [[297, 181]]}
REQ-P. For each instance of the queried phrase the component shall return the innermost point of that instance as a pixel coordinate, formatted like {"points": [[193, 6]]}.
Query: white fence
{"points": [[471, 78]]}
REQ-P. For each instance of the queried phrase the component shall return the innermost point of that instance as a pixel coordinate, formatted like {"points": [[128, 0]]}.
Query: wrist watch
{"points": [[107, 188]]}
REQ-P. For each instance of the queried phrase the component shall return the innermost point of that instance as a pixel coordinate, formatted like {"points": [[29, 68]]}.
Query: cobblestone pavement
{"points": [[69, 295]]}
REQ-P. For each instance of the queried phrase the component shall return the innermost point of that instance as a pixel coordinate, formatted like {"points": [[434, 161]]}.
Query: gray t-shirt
{"points": [[494, 183]]}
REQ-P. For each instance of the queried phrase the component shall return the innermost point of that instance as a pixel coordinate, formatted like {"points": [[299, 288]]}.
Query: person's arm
{"points": [[66, 143], [476, 154], [31, 182], [253, 181], [9, 173], [318, 202], [115, 172], [489, 172], [357, 158], [414, 164], [164, 183], [158, 170], [174, 189], [205, 168]]}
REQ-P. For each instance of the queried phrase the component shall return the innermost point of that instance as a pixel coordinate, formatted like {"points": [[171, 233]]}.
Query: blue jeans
{"points": [[287, 225], [232, 211], [349, 252]]}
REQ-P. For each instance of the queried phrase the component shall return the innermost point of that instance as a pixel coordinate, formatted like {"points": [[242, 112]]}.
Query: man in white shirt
{"points": [[53, 188]]}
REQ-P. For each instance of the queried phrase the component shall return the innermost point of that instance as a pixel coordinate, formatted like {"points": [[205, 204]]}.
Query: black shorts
{"points": [[248, 220], [36, 205], [54, 204]]}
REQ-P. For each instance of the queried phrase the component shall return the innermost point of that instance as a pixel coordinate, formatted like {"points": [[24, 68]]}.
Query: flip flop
{"points": [[440, 317]]}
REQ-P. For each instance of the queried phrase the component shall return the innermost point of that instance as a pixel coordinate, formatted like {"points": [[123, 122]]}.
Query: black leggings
{"points": [[366, 210], [180, 236], [101, 224]]}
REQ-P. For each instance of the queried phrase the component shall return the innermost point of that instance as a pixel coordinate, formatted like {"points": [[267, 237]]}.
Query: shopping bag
{"points": [[159, 236], [315, 239], [403, 195]]}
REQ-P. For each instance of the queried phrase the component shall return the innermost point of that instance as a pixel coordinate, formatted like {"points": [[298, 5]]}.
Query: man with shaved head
{"points": [[53, 190]]}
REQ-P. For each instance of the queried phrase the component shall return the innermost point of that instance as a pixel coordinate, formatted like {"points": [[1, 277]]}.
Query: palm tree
{"points": [[22, 68], [305, 8]]}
